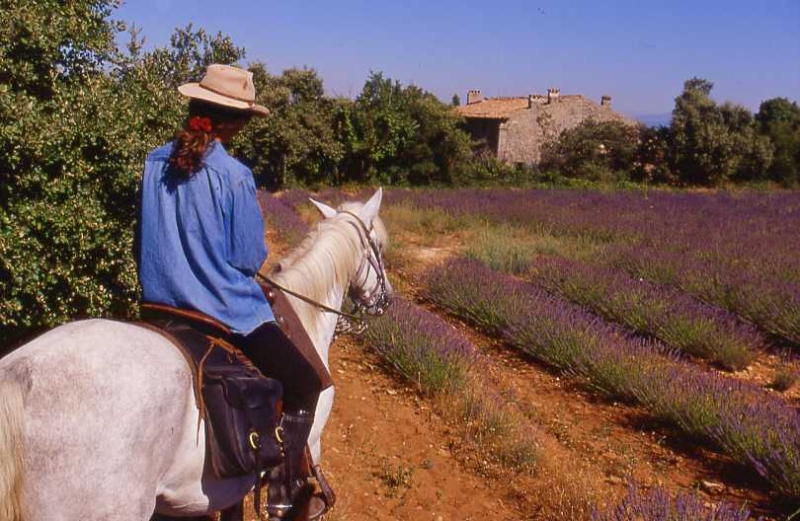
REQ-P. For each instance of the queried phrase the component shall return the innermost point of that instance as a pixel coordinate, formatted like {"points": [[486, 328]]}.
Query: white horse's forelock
{"points": [[326, 258]]}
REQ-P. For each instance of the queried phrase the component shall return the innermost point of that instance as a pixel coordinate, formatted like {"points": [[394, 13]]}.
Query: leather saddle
{"points": [[241, 407]]}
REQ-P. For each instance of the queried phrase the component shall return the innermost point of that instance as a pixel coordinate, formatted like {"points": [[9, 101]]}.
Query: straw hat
{"points": [[227, 86]]}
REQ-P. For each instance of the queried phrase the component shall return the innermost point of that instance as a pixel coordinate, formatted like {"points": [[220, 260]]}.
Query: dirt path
{"points": [[389, 455]]}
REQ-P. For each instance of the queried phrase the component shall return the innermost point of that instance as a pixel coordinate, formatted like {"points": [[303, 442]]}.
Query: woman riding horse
{"points": [[200, 242]]}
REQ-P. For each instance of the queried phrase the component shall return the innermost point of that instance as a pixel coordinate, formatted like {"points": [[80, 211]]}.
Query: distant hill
{"points": [[655, 120]]}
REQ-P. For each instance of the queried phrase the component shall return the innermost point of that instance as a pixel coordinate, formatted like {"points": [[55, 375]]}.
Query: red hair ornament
{"points": [[197, 123]]}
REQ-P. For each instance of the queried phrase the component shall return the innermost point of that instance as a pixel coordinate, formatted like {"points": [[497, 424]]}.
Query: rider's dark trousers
{"points": [[301, 372]]}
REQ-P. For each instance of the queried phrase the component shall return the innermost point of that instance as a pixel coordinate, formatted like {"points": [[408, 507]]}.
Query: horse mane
{"points": [[326, 257]]}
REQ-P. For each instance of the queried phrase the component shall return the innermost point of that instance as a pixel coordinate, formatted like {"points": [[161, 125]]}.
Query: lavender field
{"points": [[646, 299], [738, 252]]}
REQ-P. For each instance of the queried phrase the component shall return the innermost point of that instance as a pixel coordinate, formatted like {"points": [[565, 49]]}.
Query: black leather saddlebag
{"points": [[241, 407], [242, 420]]}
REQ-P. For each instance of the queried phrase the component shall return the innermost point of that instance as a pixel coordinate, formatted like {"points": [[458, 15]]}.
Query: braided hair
{"points": [[199, 131]]}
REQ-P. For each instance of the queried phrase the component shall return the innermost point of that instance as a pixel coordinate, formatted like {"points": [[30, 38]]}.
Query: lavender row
{"points": [[657, 505], [421, 347], [426, 350], [770, 303], [671, 316], [281, 217], [750, 425]]}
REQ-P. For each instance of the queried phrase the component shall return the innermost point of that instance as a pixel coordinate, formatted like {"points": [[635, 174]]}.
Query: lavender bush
{"points": [[428, 351], [657, 505], [281, 217], [762, 297], [422, 347], [669, 315], [758, 225], [752, 426]]}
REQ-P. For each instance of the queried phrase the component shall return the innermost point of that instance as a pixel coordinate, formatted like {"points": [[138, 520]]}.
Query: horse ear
{"points": [[369, 211], [326, 211]]}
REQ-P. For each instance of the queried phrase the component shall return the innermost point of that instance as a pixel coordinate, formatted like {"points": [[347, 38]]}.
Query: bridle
{"points": [[373, 302], [377, 299]]}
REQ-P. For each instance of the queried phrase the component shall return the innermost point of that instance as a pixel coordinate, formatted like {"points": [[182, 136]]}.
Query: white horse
{"points": [[98, 419]]}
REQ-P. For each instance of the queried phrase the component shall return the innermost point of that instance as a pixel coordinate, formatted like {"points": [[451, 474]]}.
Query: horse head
{"points": [[369, 286]]}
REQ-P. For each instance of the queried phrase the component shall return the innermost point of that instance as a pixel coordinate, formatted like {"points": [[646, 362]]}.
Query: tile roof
{"points": [[493, 108]]}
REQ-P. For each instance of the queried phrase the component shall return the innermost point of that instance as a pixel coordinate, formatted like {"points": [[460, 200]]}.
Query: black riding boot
{"points": [[287, 479]]}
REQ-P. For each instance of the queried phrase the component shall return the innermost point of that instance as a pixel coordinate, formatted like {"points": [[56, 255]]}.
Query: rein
{"points": [[348, 322], [305, 299]]}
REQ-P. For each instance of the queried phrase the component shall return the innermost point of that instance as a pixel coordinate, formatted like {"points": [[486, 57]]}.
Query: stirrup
{"points": [[317, 507]]}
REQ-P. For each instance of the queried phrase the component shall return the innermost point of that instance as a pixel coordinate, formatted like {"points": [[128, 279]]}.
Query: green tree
{"points": [[752, 152], [48, 42], [653, 156], [456, 100], [713, 144], [297, 143], [701, 145], [598, 151], [778, 119], [405, 135]]}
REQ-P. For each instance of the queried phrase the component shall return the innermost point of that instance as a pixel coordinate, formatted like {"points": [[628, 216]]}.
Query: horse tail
{"points": [[11, 410]]}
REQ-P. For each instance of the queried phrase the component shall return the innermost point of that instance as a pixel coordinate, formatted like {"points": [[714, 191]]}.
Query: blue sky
{"points": [[640, 52]]}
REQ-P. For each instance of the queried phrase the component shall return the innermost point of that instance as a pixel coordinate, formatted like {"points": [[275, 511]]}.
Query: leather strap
{"points": [[327, 491], [186, 314], [292, 327]]}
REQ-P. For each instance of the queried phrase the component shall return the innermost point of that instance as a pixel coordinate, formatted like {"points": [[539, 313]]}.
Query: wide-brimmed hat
{"points": [[227, 86]]}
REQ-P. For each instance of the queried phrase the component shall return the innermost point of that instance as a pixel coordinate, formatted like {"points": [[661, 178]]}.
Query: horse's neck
{"points": [[320, 325], [322, 274]]}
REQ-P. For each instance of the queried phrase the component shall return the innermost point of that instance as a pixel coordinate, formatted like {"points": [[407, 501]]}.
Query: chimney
{"points": [[474, 96], [605, 101], [553, 94]]}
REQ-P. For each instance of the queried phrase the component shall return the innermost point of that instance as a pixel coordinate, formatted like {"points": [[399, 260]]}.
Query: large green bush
{"points": [[78, 117], [779, 120], [597, 151], [299, 143]]}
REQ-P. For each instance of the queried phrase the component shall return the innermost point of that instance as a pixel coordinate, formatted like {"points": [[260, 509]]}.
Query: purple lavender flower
{"points": [[669, 315], [739, 252], [278, 215], [657, 505], [421, 346]]}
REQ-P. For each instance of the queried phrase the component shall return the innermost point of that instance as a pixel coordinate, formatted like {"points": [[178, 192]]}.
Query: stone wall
{"points": [[522, 136]]}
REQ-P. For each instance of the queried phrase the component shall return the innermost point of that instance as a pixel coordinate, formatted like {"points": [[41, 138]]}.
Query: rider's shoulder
{"points": [[161, 153], [218, 159]]}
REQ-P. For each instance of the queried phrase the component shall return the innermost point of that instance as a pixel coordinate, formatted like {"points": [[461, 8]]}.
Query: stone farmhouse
{"points": [[515, 129]]}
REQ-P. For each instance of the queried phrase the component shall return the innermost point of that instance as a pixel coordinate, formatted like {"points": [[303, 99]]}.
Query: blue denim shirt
{"points": [[201, 239]]}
